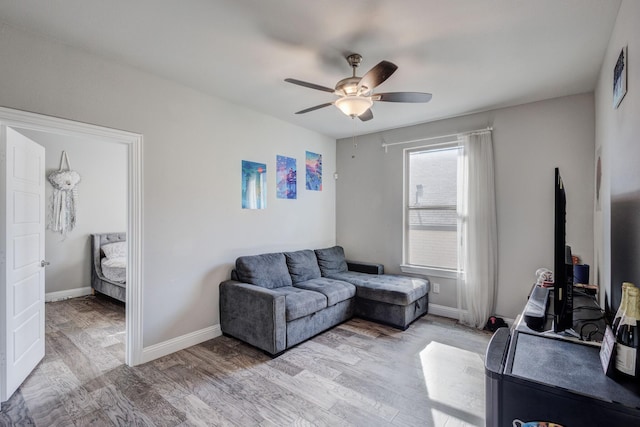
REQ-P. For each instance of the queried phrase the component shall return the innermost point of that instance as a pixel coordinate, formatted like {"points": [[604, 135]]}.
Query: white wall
{"points": [[529, 141], [617, 225], [194, 226], [102, 204]]}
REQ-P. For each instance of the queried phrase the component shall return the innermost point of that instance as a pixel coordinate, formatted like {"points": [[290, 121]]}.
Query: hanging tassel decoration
{"points": [[63, 206]]}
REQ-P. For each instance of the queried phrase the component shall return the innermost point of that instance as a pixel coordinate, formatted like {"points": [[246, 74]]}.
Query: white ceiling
{"points": [[472, 55]]}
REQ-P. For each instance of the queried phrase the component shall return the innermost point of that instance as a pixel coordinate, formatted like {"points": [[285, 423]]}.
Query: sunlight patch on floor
{"points": [[454, 379]]}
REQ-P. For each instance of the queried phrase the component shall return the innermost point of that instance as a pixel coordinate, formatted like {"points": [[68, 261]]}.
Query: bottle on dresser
{"points": [[627, 335], [623, 306]]}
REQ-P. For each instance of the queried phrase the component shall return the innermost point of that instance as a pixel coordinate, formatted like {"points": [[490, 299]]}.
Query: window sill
{"points": [[429, 271]]}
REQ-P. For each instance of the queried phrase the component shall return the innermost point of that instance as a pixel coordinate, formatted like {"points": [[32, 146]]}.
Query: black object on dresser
{"points": [[535, 312], [534, 376]]}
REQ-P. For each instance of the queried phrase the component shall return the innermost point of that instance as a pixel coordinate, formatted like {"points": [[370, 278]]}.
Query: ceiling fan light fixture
{"points": [[353, 106], [356, 94]]}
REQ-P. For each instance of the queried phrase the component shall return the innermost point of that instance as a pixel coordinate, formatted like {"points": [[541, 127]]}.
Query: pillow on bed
{"points": [[115, 269], [115, 250], [120, 262]]}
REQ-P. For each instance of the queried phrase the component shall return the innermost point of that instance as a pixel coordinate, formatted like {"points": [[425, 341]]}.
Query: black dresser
{"points": [[539, 376]]}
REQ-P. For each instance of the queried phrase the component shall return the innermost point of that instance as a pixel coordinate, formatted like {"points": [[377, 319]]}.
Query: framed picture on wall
{"points": [[313, 165], [254, 185], [286, 178], [620, 78]]}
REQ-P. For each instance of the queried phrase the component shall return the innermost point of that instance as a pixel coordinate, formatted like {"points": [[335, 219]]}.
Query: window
{"points": [[431, 214], [450, 226]]}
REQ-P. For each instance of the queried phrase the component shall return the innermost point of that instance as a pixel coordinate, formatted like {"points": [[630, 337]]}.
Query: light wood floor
{"points": [[359, 373]]}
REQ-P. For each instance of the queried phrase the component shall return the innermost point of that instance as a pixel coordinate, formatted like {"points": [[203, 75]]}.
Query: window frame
{"points": [[406, 267]]}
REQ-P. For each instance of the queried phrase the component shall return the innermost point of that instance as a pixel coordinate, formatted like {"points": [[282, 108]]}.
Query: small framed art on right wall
{"points": [[620, 78]]}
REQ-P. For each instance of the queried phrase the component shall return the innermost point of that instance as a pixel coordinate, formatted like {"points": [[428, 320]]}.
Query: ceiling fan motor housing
{"points": [[349, 87]]}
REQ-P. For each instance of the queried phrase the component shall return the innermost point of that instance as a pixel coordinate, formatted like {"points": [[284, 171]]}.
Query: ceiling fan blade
{"points": [[309, 85], [317, 107], [402, 97], [377, 74], [367, 115]]}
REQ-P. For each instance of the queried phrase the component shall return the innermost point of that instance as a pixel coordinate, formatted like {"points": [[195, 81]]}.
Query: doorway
{"points": [[21, 120], [97, 205]]}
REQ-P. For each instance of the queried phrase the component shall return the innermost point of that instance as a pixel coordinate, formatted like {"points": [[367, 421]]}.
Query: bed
{"points": [[109, 264]]}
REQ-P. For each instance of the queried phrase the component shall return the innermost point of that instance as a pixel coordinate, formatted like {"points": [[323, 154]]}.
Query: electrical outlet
{"points": [[435, 288]]}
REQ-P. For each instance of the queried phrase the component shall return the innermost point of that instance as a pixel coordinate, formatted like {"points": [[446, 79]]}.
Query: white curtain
{"points": [[478, 231]]}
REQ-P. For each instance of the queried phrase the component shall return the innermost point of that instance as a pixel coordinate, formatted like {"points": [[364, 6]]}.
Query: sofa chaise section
{"points": [[391, 299]]}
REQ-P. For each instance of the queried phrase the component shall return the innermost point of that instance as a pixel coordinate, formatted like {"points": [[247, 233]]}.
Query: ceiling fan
{"points": [[356, 94]]}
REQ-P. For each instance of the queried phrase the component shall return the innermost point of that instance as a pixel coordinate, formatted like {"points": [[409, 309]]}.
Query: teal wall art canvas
{"points": [[254, 185], [286, 178], [314, 171]]}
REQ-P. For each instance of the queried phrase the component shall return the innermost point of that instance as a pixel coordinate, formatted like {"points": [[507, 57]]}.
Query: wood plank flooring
{"points": [[359, 373]]}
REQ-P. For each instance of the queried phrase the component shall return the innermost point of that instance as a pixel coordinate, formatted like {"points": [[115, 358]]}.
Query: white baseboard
{"points": [[180, 343], [444, 311], [454, 313], [71, 293]]}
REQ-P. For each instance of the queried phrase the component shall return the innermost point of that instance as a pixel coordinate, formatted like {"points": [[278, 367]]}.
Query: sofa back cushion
{"points": [[266, 270], [302, 265], [331, 260]]}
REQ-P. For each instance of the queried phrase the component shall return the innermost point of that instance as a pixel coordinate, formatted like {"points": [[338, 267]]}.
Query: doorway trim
{"points": [[133, 307]]}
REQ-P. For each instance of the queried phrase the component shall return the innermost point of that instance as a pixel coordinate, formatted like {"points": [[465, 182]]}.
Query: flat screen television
{"points": [[562, 263]]}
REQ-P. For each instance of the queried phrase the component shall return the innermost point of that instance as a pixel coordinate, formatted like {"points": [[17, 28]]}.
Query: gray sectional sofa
{"points": [[277, 300]]}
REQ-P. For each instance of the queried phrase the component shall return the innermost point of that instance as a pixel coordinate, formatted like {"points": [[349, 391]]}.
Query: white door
{"points": [[21, 258]]}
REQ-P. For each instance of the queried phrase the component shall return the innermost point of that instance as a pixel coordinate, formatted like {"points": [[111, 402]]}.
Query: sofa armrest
{"points": [[365, 267], [253, 314]]}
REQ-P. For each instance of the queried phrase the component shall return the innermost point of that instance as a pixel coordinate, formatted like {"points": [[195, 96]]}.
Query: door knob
{"points": [[44, 263]]}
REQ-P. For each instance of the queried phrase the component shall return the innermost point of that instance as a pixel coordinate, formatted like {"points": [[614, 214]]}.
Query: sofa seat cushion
{"points": [[331, 260], [302, 265], [388, 288], [335, 290], [300, 302], [267, 270]]}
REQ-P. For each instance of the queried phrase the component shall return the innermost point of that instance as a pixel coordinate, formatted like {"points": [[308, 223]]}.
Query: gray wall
{"points": [[102, 204], [617, 224], [529, 141], [193, 224]]}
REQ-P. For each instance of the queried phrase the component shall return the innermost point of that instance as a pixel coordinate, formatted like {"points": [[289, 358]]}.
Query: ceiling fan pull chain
{"points": [[355, 144]]}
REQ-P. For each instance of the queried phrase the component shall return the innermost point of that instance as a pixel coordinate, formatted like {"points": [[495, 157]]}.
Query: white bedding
{"points": [[115, 269]]}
